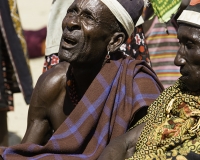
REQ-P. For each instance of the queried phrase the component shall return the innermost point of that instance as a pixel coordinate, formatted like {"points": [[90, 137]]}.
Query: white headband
{"points": [[190, 16], [121, 14]]}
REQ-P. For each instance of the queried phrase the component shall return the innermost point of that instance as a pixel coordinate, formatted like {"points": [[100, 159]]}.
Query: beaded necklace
{"points": [[72, 88]]}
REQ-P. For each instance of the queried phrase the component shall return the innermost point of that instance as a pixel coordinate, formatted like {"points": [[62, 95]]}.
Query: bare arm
{"points": [[38, 125], [123, 146], [46, 105]]}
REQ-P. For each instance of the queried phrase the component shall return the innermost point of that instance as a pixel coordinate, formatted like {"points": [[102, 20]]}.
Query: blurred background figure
{"points": [[54, 32], [33, 17], [155, 38], [136, 45], [163, 45], [15, 75], [161, 36], [35, 40]]}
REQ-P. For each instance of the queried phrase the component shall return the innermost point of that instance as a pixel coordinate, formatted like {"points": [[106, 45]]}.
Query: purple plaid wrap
{"points": [[121, 88]]}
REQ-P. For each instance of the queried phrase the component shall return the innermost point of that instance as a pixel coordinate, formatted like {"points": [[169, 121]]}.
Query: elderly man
{"points": [[96, 93], [171, 129]]}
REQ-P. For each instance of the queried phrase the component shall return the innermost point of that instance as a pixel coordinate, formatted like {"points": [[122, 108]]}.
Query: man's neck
{"points": [[84, 77]]}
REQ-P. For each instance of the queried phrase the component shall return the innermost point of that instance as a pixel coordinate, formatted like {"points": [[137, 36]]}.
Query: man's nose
{"points": [[71, 23], [179, 59]]}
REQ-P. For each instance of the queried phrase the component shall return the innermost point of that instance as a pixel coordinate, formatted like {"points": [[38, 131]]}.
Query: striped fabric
{"points": [[104, 112], [162, 49]]}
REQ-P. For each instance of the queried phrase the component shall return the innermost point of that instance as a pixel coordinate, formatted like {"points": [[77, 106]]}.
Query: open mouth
{"points": [[69, 41]]}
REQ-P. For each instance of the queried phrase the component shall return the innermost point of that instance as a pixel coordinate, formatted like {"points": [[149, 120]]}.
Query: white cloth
{"points": [[140, 21], [121, 14], [54, 27], [190, 17]]}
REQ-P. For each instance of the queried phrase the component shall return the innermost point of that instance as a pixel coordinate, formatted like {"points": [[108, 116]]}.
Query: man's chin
{"points": [[65, 56], [191, 87]]}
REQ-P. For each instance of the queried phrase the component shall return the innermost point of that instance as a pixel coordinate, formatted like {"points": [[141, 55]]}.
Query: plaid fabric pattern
{"points": [[104, 112]]}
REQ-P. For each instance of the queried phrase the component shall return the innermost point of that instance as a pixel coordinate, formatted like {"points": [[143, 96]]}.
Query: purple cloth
{"points": [[105, 111], [34, 40]]}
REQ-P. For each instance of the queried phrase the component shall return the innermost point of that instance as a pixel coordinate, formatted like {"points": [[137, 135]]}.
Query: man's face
{"points": [[86, 32], [188, 56]]}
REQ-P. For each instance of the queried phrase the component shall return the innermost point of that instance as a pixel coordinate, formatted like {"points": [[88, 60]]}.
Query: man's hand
{"points": [[123, 146]]}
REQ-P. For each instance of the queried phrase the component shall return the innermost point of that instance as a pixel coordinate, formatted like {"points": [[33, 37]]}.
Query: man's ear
{"points": [[116, 41]]}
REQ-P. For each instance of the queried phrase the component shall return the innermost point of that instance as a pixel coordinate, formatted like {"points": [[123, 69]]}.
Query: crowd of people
{"points": [[116, 84]]}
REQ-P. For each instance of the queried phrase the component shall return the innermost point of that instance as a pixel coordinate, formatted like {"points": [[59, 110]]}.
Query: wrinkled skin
{"points": [[188, 56], [87, 36], [84, 40]]}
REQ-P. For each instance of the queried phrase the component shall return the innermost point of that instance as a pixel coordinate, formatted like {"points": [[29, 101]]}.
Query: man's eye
{"points": [[71, 12], [189, 44], [88, 16]]}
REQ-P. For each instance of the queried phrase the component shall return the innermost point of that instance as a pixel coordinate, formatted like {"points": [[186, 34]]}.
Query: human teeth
{"points": [[69, 41]]}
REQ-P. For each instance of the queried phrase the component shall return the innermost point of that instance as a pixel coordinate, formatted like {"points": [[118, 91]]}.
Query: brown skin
{"points": [[123, 146], [87, 36], [188, 58], [47, 104]]}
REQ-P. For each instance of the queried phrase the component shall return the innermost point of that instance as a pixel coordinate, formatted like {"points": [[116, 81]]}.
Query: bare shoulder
{"points": [[52, 82], [46, 102], [54, 75]]}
